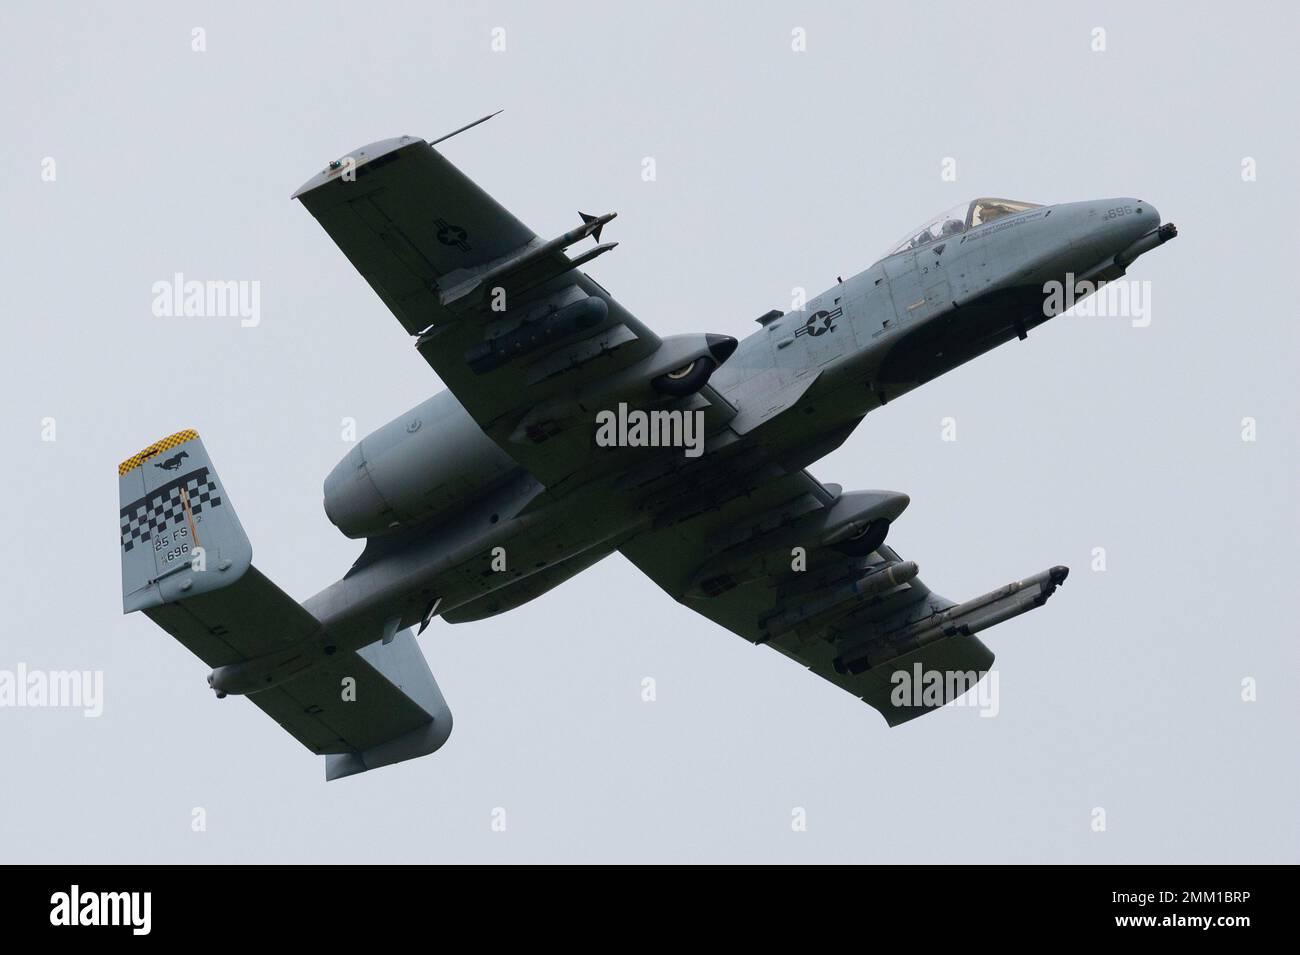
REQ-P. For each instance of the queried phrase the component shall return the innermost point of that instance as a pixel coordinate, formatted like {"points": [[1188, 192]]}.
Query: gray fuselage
{"points": [[445, 495]]}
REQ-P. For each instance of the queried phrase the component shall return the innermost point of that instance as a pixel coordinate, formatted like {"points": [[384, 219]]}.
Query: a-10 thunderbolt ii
{"points": [[570, 430]]}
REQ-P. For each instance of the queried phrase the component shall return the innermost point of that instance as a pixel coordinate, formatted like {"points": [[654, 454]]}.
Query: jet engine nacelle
{"points": [[434, 459], [684, 363], [430, 461], [680, 366]]}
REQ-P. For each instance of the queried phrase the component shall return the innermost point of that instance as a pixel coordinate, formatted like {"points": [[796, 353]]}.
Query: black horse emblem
{"points": [[174, 462]]}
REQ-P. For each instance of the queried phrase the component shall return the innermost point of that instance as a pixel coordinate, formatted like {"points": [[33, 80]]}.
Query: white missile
{"points": [[822, 609], [966, 619]]}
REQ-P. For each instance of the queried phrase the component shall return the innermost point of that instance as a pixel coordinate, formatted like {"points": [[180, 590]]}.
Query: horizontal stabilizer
{"points": [[378, 706], [187, 564]]}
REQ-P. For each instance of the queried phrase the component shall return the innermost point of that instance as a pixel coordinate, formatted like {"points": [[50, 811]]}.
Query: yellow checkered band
{"points": [[155, 449]]}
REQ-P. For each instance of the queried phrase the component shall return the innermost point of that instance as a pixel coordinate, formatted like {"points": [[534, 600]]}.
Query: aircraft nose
{"points": [[1111, 233], [1133, 220], [1109, 225], [1129, 219]]}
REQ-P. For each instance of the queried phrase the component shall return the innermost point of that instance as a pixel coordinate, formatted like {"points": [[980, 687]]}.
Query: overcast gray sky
{"points": [[775, 169]]}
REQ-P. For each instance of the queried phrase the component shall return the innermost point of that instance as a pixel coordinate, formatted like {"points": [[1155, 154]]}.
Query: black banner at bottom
{"points": [[367, 904]]}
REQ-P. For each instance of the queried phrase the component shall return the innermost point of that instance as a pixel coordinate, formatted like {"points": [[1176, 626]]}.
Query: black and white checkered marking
{"points": [[162, 508]]}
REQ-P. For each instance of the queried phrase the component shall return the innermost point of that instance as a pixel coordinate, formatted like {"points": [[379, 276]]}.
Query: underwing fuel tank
{"points": [[430, 461]]}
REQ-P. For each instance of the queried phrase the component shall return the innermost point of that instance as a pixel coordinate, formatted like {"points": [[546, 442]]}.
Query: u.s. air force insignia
{"points": [[819, 322], [451, 234]]}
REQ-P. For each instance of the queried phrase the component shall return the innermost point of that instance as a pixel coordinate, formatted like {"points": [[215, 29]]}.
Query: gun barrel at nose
{"points": [[1145, 243]]}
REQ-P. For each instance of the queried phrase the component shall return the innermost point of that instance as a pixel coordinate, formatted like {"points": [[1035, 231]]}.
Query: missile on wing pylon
{"points": [[840, 601], [532, 265], [966, 619]]}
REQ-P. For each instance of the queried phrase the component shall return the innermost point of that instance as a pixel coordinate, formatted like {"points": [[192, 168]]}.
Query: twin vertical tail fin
{"points": [[187, 564], [179, 533]]}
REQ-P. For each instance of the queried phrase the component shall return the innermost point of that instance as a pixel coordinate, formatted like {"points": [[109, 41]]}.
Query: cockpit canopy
{"points": [[958, 219]]}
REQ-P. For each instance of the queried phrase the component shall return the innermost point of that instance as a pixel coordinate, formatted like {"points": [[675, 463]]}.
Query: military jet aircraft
{"points": [[540, 459]]}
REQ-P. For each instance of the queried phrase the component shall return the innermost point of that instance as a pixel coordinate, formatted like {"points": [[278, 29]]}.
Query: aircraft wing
{"points": [[857, 620], [515, 330]]}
